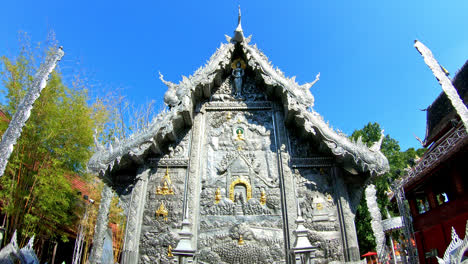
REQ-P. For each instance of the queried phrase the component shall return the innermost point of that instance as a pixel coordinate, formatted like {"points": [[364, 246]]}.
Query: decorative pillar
{"points": [[101, 225], [389, 232], [287, 192], [346, 216], [195, 172], [392, 245], [376, 222], [134, 219]]}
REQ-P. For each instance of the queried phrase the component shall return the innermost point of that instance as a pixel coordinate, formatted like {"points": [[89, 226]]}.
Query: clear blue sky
{"points": [[370, 70]]}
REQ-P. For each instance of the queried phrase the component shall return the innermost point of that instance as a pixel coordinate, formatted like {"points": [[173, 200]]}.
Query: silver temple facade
{"points": [[240, 169]]}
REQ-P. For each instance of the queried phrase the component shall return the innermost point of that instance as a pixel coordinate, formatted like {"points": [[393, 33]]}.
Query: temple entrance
{"points": [[240, 191]]}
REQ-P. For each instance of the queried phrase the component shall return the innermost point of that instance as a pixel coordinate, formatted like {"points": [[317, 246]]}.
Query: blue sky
{"points": [[370, 70]]}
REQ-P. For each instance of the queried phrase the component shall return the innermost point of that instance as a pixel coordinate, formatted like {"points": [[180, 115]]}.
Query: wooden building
{"points": [[436, 186]]}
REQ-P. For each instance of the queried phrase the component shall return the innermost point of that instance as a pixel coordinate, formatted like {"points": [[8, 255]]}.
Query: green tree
{"points": [[57, 141], [398, 162]]}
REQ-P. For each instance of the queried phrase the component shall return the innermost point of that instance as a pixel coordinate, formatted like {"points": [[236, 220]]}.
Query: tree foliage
{"points": [[56, 141], [398, 161]]}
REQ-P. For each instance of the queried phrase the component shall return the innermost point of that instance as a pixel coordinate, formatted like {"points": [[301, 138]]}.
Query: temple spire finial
{"points": [[238, 33], [239, 18]]}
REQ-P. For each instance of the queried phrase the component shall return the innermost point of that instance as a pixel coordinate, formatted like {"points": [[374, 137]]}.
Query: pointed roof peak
{"points": [[238, 33], [239, 18]]}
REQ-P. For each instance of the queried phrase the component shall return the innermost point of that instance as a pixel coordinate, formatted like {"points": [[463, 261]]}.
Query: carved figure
{"points": [[238, 197], [240, 134], [263, 198], [162, 211], [167, 188], [169, 252], [238, 73], [241, 240], [319, 206], [242, 182], [217, 196], [175, 152]]}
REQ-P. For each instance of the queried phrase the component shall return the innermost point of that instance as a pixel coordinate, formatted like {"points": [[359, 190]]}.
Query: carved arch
{"points": [[243, 182]]}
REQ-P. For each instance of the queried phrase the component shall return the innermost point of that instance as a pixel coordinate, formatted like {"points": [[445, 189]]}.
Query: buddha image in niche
{"points": [[240, 134], [238, 67]]}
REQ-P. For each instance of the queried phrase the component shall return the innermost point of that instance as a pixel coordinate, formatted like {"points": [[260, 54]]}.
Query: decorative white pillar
{"points": [[376, 219], [23, 112], [101, 225]]}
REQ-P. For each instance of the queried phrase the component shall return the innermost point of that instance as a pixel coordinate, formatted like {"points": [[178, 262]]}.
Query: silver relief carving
{"points": [[316, 198], [159, 231], [239, 154], [101, 225]]}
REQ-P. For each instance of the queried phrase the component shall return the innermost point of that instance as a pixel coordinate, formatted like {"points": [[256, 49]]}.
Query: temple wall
{"points": [[164, 203], [242, 175]]}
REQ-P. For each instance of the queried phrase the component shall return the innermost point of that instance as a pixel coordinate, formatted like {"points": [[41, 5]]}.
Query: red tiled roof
{"points": [[82, 186]]}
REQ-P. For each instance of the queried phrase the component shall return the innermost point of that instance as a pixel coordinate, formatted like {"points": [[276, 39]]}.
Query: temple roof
{"points": [[183, 97]]}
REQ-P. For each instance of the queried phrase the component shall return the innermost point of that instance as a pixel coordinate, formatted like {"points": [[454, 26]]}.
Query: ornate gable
{"points": [[212, 83]]}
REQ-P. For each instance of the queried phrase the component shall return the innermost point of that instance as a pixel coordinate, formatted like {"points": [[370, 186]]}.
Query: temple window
{"points": [[422, 204], [442, 198]]}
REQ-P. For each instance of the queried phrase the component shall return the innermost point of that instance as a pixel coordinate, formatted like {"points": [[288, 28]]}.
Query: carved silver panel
{"points": [[240, 208], [162, 214], [317, 202]]}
